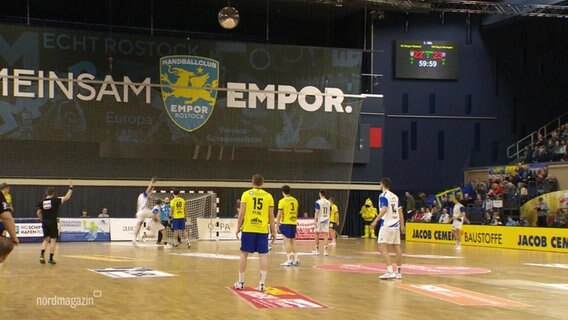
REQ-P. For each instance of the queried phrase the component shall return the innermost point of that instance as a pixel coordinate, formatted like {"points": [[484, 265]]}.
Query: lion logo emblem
{"points": [[188, 89]]}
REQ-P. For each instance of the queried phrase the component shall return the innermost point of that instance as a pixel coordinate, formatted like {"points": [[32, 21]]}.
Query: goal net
{"points": [[197, 205]]}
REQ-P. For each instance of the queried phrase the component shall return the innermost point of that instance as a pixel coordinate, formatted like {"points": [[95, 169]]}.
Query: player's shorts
{"points": [[178, 224], [2, 230], [334, 226], [156, 226], [254, 242], [389, 235], [457, 225], [49, 228], [166, 223], [288, 230], [322, 226], [143, 215]]}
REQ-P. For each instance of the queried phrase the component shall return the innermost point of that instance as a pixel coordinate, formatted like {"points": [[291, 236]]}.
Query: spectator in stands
{"points": [[511, 222], [523, 193], [487, 218], [496, 191], [436, 213], [445, 217], [542, 212], [523, 222], [544, 154], [427, 215], [560, 218], [478, 202], [419, 216], [481, 189], [410, 203], [559, 150], [104, 213], [540, 140], [496, 219], [84, 214], [467, 201]]}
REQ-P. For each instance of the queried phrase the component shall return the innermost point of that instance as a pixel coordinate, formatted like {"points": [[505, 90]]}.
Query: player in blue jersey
{"points": [[392, 226]]}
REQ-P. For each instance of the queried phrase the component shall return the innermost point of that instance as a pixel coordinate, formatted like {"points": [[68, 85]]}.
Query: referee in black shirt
{"points": [[47, 211]]}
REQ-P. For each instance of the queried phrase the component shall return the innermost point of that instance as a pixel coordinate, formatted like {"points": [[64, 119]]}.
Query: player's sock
{"points": [[241, 277], [262, 277], [42, 253], [295, 256], [51, 256], [398, 269], [389, 269], [289, 257]]}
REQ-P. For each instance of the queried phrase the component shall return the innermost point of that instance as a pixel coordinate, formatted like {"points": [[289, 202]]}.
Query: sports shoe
{"points": [[399, 276], [287, 264], [458, 247], [332, 244], [51, 261], [188, 244], [260, 287], [239, 285], [296, 263], [41, 260], [315, 252], [325, 252], [388, 276], [168, 246]]}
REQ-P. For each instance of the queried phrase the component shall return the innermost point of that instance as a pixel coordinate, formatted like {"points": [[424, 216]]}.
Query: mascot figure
{"points": [[368, 214]]}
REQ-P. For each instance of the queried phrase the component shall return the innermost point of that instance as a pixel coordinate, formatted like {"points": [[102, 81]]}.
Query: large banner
{"points": [[524, 238], [145, 97], [84, 229]]}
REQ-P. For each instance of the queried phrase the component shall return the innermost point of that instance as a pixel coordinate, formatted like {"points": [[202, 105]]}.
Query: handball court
{"points": [[439, 283]]}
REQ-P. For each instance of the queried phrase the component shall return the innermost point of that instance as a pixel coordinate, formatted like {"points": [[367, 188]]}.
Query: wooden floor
{"points": [[199, 288]]}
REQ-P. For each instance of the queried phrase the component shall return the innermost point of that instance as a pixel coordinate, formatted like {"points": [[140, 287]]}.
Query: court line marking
{"points": [[461, 296]]}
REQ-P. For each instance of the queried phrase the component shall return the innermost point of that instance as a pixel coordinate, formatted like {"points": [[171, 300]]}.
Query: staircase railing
{"points": [[515, 150]]}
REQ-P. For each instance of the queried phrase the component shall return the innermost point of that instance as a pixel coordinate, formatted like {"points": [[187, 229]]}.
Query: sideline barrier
{"points": [[84, 229], [523, 238], [207, 229], [28, 230]]}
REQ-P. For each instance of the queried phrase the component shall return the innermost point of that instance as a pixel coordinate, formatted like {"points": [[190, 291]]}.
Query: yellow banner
{"points": [[524, 238]]}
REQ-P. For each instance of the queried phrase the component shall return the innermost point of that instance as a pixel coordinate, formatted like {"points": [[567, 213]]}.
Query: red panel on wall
{"points": [[376, 137]]}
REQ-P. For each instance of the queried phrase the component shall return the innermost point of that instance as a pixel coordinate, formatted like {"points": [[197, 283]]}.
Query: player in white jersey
{"points": [[155, 225], [322, 214], [392, 225], [142, 211], [458, 217]]}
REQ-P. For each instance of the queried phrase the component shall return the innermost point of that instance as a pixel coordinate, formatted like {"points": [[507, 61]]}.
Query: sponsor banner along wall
{"points": [[524, 238], [84, 229]]}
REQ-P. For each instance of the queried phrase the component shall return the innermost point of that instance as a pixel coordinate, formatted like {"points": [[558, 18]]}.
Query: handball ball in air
{"points": [[228, 17]]}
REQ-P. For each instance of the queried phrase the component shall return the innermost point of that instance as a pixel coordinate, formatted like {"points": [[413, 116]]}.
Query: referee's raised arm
{"points": [[67, 196]]}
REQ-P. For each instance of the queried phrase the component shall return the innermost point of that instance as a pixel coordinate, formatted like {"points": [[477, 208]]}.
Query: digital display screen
{"points": [[426, 60]]}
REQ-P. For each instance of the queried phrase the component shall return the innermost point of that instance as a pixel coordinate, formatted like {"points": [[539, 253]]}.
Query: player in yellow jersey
{"points": [[334, 222], [5, 188], [255, 215], [287, 220], [178, 218]]}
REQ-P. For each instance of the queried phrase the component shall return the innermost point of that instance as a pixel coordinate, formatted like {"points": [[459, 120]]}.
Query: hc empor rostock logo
{"points": [[188, 89]]}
